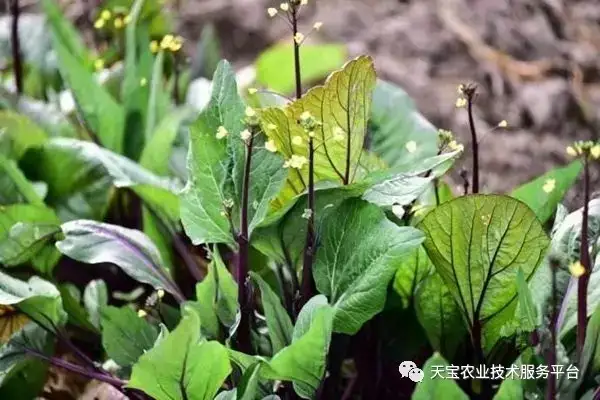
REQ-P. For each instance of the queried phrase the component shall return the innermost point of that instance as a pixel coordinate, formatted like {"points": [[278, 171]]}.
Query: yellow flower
{"points": [[99, 24], [105, 15], [411, 146], [250, 112], [298, 37], [270, 145], [142, 313], [576, 269], [317, 25], [284, 6], [143, 82], [160, 293], [503, 124], [221, 132], [118, 23], [297, 140], [305, 116], [572, 151], [461, 102], [127, 19], [166, 41], [272, 12], [455, 146], [176, 44], [418, 209], [595, 151], [303, 2], [154, 46], [295, 162], [311, 133], [549, 185], [99, 64], [245, 135], [460, 89], [252, 90]]}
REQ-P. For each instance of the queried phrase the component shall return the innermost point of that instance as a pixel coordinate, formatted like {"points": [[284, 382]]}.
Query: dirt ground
{"points": [[537, 64]]}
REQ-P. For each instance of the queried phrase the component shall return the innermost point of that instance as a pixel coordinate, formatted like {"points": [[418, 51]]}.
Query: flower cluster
{"points": [[105, 17], [168, 42], [585, 149], [289, 12], [466, 94], [446, 140]]}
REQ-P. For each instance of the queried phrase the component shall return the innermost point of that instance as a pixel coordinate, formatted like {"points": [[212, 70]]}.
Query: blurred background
{"points": [[537, 62]]}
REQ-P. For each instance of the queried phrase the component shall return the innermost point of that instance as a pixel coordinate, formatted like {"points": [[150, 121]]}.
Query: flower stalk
{"points": [[16, 45], [582, 286], [551, 356], [470, 92]]}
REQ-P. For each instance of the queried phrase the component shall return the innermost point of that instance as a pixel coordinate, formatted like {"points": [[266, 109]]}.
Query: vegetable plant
{"points": [[174, 233]]}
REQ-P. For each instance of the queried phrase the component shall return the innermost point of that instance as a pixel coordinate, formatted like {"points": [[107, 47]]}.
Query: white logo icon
{"points": [[408, 369]]}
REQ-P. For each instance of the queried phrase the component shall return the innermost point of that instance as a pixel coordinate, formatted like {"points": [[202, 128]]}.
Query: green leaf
{"points": [[411, 272], [95, 297], [125, 336], [510, 389], [248, 387], [209, 178], [216, 297], [181, 367], [525, 319], [590, 364], [477, 244], [100, 111], [155, 156], [304, 361], [278, 321], [357, 257], [341, 104], [37, 298], [62, 30], [96, 242], [208, 53], [21, 132], [24, 231], [18, 369], [275, 66], [435, 387], [545, 192], [395, 122], [14, 186], [439, 315], [71, 299]]}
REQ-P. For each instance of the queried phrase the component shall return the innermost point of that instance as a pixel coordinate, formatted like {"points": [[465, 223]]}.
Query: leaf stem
{"points": [[551, 356], [470, 93], [584, 255], [297, 72], [243, 333], [16, 45]]}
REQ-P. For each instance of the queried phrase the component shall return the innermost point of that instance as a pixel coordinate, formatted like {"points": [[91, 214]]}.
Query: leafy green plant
{"points": [[242, 247]]}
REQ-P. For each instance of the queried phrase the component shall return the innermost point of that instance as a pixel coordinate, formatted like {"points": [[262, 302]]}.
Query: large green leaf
{"points": [[433, 386], [125, 336], [304, 361], [278, 321], [545, 192], [181, 366], [96, 242], [37, 298], [395, 122], [477, 244], [216, 297], [209, 184], [95, 297], [20, 132], [275, 66], [440, 315], [357, 257], [100, 111], [342, 106]]}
